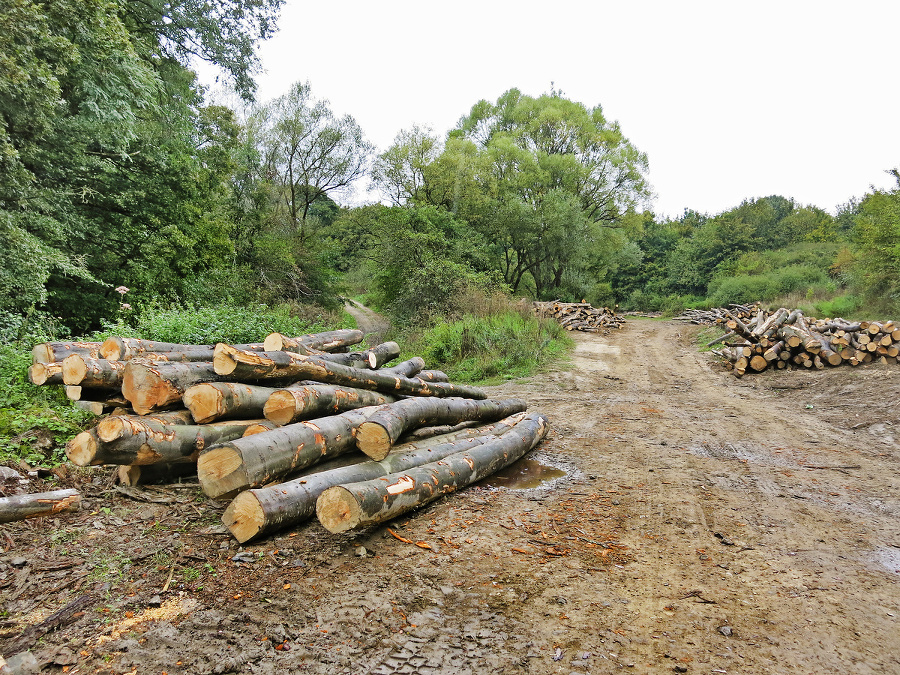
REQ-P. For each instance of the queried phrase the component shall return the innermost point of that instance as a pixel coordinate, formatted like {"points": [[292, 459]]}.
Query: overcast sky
{"points": [[730, 100]]}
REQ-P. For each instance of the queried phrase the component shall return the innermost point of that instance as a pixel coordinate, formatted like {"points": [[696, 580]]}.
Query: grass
{"points": [[489, 349]]}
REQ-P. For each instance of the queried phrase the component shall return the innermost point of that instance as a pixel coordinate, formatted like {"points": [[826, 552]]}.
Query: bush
{"points": [[501, 346]]}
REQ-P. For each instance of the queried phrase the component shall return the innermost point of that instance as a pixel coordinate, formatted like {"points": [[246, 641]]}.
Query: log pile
{"points": [[757, 339], [580, 316], [276, 424]]}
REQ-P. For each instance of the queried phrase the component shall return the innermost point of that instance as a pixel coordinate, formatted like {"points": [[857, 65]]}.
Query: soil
{"points": [[704, 524]]}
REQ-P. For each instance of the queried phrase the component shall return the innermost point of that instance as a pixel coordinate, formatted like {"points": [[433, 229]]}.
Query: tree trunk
{"points": [[209, 401], [45, 373], [19, 507], [228, 468], [153, 386], [376, 435], [145, 440], [125, 349], [285, 406], [255, 513], [354, 505], [326, 342], [243, 365], [88, 372], [52, 352]]}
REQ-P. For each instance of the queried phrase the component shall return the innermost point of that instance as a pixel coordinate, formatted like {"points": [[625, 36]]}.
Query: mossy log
{"points": [[259, 512], [306, 344], [252, 461], [370, 502], [292, 404], [52, 352], [145, 440], [20, 507], [241, 365], [377, 434], [45, 373]]}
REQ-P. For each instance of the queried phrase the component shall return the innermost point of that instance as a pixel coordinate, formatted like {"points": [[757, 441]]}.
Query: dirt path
{"points": [[706, 525], [367, 321]]}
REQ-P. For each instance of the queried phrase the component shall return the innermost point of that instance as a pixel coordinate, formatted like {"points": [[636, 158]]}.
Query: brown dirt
{"points": [[706, 525]]}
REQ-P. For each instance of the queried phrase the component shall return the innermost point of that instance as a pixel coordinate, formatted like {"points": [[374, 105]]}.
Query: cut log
{"points": [[412, 367], [88, 372], [326, 342], [758, 363], [52, 352], [154, 386], [228, 468], [154, 474], [370, 358], [108, 397], [242, 365], [432, 376], [20, 507], [256, 513], [210, 401], [45, 373], [260, 427], [285, 406], [125, 349], [354, 505], [146, 440], [376, 435]]}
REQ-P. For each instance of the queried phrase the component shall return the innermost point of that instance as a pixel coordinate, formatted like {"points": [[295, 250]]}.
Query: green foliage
{"points": [[504, 345], [845, 306], [876, 234]]}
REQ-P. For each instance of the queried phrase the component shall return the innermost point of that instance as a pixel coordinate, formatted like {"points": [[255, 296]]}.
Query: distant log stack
{"points": [[756, 339], [195, 410], [580, 316]]}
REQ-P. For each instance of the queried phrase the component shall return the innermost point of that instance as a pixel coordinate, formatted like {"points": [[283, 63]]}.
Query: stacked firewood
{"points": [[288, 425], [580, 316], [718, 315], [787, 339]]}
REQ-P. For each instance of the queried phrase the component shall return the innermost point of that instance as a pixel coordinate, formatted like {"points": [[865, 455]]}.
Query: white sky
{"points": [[730, 100]]}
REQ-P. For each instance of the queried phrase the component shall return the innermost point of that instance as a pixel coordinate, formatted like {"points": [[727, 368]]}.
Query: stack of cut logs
{"points": [[580, 316], [786, 339], [288, 427]]}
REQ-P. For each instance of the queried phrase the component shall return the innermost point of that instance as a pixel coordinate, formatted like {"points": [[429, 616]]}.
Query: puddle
{"points": [[888, 558], [524, 474]]}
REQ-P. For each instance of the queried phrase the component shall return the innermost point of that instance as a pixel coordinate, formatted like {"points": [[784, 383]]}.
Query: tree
{"points": [[308, 152], [401, 171], [876, 236]]}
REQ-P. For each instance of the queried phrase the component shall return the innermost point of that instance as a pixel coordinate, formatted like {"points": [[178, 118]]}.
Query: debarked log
{"points": [[256, 513], [242, 365], [227, 468], [19, 507], [377, 434], [353, 505], [292, 404]]}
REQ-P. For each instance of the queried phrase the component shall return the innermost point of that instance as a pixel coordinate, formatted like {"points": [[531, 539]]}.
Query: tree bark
{"points": [[226, 469], [376, 435], [242, 365], [88, 372], [256, 513], [52, 352], [326, 342], [20, 507], [285, 406], [45, 373], [145, 440], [354, 505]]}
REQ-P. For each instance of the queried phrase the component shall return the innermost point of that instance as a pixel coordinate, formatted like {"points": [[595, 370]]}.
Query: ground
{"points": [[705, 524]]}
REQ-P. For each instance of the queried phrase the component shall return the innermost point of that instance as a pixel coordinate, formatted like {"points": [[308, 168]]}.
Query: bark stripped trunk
{"points": [[285, 406], [376, 436], [255, 513], [353, 505], [243, 365], [228, 468], [20, 507]]}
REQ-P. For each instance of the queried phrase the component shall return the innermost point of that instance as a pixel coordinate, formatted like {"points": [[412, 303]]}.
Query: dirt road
{"points": [[705, 525]]}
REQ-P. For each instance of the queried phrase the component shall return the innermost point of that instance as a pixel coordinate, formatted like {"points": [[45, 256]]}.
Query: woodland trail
{"points": [[705, 524]]}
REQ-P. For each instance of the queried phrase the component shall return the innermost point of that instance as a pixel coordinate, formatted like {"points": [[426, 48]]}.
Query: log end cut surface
{"points": [[244, 517], [205, 403], [279, 407], [221, 471], [82, 449], [337, 510], [374, 440]]}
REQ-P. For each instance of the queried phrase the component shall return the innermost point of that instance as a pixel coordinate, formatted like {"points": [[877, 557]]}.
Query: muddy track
{"points": [[705, 525]]}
